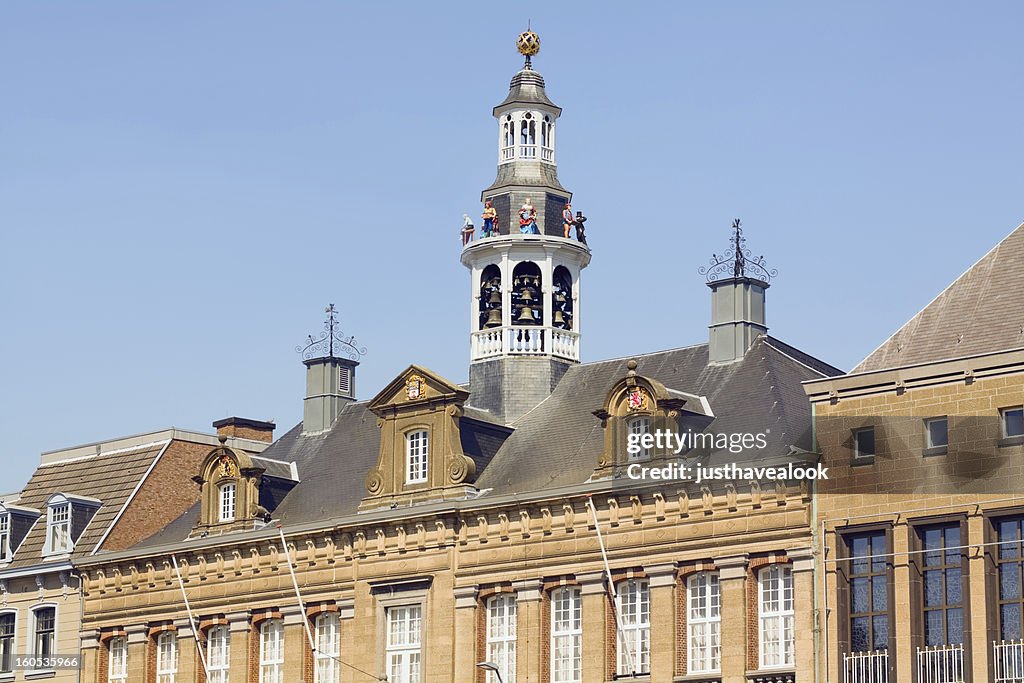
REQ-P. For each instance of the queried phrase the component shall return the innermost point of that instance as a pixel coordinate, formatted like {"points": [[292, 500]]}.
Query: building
{"points": [[922, 514], [441, 525], [80, 501]]}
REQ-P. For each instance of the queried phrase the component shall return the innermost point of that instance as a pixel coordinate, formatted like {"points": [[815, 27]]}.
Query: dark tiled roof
{"points": [[981, 312], [558, 442]]}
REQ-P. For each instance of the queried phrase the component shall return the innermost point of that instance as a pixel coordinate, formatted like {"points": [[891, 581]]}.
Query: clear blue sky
{"points": [[184, 186]]}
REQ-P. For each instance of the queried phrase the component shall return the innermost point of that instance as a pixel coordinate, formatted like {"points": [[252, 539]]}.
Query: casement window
{"points": [[328, 647], [218, 654], [272, 651], [775, 616], [227, 502], [167, 657], [864, 443], [44, 631], [416, 451], [868, 592], [1009, 565], [566, 635], [7, 624], [703, 623], [942, 585], [117, 664], [58, 529], [5, 537], [634, 644], [1012, 420], [501, 636], [402, 655], [936, 431], [638, 426]]}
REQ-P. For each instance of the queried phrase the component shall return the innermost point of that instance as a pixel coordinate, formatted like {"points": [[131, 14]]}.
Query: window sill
{"points": [[935, 450], [640, 678], [42, 673], [698, 678], [783, 674], [860, 461], [1008, 441], [5, 677]]}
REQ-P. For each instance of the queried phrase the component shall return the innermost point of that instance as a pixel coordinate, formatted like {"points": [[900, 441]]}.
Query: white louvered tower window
{"points": [[417, 447], [501, 636], [272, 651], [634, 644], [227, 502], [344, 380], [167, 657], [218, 654], [58, 528], [117, 669], [566, 635], [775, 616], [703, 623], [639, 426], [402, 655], [328, 647]]}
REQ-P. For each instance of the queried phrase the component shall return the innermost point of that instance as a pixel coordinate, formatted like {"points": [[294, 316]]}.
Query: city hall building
{"points": [[490, 530]]}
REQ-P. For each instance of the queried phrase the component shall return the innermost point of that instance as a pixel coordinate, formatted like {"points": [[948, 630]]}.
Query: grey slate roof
{"points": [[558, 442], [527, 87], [981, 312]]}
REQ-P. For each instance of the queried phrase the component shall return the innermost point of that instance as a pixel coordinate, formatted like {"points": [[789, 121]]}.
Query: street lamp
{"points": [[492, 667]]}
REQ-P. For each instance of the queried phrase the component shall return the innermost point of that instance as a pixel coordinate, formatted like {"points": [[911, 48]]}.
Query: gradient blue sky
{"points": [[184, 186]]}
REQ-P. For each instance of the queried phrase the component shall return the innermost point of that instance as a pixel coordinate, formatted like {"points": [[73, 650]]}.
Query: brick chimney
{"points": [[244, 428]]}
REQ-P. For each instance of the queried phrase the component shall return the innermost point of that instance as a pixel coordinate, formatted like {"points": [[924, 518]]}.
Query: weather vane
{"points": [[736, 261], [331, 343]]}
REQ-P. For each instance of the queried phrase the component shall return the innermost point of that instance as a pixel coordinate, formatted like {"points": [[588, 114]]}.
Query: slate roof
{"points": [[981, 312], [557, 443]]}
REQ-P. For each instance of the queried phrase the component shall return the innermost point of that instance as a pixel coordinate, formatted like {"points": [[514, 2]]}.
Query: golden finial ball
{"points": [[528, 43]]}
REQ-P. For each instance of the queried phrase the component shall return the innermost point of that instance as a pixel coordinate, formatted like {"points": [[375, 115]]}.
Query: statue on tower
{"points": [[528, 219], [490, 217], [567, 219], [467, 229]]}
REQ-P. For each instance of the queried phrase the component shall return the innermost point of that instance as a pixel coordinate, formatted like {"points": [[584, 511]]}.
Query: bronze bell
{"points": [[495, 298], [493, 318], [527, 296], [558, 319], [559, 297], [525, 315]]}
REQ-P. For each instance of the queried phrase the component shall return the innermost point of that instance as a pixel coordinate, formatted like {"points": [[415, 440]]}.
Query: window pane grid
{"points": [[416, 447], [403, 644], [941, 572], [868, 592], [501, 636], [7, 642], [1009, 569], [5, 536], [118, 666], [45, 629], [166, 658], [566, 636], [639, 426], [227, 502], [775, 597], [634, 647], [272, 651], [218, 654], [328, 648], [703, 623], [59, 529]]}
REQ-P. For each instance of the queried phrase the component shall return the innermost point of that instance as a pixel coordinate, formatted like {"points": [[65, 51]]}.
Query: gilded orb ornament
{"points": [[528, 44]]}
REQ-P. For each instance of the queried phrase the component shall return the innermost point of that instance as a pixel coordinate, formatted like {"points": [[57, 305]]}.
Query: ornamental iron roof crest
{"points": [[737, 261], [331, 343]]}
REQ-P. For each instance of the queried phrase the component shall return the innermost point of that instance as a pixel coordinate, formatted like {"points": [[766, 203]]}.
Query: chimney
{"points": [[244, 428], [738, 283], [330, 362]]}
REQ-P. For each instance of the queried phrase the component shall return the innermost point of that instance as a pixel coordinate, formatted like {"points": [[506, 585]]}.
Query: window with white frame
{"points": [[5, 537], [328, 647], [7, 624], [638, 426], [402, 655], [167, 657], [634, 645], [417, 447], [1013, 421], [272, 651], [227, 502], [58, 528], [218, 654], [117, 667], [703, 623], [44, 632], [775, 616], [566, 635], [501, 635]]}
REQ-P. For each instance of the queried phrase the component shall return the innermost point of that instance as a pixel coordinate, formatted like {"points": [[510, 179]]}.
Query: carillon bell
{"points": [[495, 298], [559, 297], [558, 319], [525, 315], [493, 318], [527, 296]]}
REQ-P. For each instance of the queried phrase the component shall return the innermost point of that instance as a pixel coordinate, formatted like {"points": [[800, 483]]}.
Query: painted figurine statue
{"points": [[490, 217], [467, 229], [581, 234], [528, 219], [567, 219]]}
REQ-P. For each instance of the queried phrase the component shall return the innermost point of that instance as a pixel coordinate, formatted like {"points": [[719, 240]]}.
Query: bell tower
{"points": [[525, 270]]}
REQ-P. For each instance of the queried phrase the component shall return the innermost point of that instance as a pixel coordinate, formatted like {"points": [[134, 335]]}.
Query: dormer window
{"points": [[227, 502], [58, 528], [417, 446], [5, 537], [638, 427]]}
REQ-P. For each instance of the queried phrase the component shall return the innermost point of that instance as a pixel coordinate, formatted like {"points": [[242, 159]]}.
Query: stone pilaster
{"points": [[90, 654], [595, 626], [732, 574], [240, 629], [529, 594], [975, 600], [189, 663], [804, 617], [662, 581], [296, 640], [137, 639], [905, 655], [465, 633]]}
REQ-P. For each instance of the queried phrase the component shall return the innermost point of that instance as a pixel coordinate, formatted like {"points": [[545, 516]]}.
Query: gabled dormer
{"points": [[421, 456], [67, 515], [635, 410], [15, 522]]}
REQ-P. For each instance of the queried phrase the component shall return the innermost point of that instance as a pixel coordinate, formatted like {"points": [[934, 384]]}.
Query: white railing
{"points": [[866, 667], [524, 340], [507, 153], [528, 151], [547, 154], [1009, 661], [940, 664]]}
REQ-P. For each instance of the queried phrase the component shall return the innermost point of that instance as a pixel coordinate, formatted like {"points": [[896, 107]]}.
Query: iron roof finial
{"points": [[737, 261], [332, 343]]}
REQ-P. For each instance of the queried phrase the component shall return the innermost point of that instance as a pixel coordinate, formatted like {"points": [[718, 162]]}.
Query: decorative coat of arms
{"points": [[414, 387], [636, 399], [227, 466]]}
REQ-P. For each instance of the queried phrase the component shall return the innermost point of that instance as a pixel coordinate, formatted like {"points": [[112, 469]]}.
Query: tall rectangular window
{"points": [[634, 646], [416, 451], [566, 635], [501, 635], [868, 594], [45, 630], [117, 667], [272, 651], [328, 647], [5, 537], [218, 654], [703, 623], [942, 585], [227, 502], [403, 644], [1009, 570], [166, 657], [7, 622], [58, 528], [775, 616], [639, 426]]}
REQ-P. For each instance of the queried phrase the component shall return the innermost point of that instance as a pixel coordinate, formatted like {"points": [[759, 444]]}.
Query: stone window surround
{"points": [[408, 593]]}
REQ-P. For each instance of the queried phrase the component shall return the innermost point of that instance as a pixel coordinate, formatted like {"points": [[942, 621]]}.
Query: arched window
{"points": [[775, 615], [638, 426], [272, 651], [117, 666], [634, 646], [527, 301], [490, 297], [226, 498], [167, 657], [509, 133], [528, 137], [566, 635], [328, 647], [417, 447], [703, 623], [44, 631], [8, 622], [218, 654], [501, 635], [561, 300]]}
